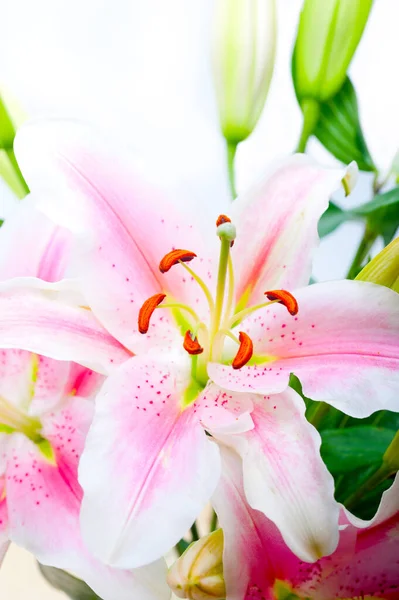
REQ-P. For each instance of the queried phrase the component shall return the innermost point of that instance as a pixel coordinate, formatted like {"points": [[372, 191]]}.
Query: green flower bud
{"points": [[328, 34], [198, 573], [383, 269], [244, 41]]}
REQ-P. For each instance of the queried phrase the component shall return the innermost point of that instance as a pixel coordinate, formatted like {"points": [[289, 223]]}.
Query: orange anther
{"points": [[285, 298], [222, 219], [147, 309], [173, 257], [192, 345], [245, 351]]}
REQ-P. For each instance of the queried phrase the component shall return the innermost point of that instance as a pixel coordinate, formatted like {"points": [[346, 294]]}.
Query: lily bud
{"points": [[328, 34], [383, 269], [244, 42], [198, 573]]}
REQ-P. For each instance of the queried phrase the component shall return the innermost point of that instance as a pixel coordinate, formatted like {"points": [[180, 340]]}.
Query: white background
{"points": [[142, 69]]}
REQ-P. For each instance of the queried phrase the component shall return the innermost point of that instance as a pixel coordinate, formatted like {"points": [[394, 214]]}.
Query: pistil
{"points": [[221, 285], [226, 232]]}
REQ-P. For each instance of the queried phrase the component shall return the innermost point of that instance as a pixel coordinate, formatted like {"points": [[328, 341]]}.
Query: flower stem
{"points": [[311, 113], [231, 154], [365, 245]]}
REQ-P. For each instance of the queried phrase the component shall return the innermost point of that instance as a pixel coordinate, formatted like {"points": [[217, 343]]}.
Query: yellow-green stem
{"points": [[311, 113], [231, 154]]}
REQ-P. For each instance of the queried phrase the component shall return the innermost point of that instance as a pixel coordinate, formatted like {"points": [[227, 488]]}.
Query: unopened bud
{"points": [[244, 42], [198, 573], [383, 269], [328, 34]]}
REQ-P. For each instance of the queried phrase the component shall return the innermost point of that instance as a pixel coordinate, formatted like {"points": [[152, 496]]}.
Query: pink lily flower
{"points": [[46, 407], [258, 565], [208, 347]]}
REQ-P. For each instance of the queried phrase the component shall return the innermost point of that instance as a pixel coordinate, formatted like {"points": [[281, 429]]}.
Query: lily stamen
{"points": [[245, 351], [173, 257], [285, 298], [147, 310], [274, 296], [191, 344]]}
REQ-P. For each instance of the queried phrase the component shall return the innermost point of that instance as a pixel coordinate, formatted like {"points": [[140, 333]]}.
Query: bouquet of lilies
{"points": [[182, 409]]}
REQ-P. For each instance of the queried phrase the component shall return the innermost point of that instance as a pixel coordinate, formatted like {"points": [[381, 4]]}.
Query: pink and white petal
{"points": [[82, 381], [44, 501], [370, 566], [254, 552], [16, 375], [32, 246], [40, 317], [343, 345], [260, 379], [148, 468], [3, 519], [285, 477], [223, 411], [277, 225], [124, 224], [48, 383]]}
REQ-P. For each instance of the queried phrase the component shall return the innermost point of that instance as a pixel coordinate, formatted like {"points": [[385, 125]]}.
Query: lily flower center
{"points": [[205, 342], [13, 419]]}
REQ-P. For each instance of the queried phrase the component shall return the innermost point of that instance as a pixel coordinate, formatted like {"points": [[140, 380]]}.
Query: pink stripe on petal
{"points": [[148, 468], [97, 189], [44, 502], [38, 317], [285, 477], [277, 225], [31, 245], [254, 552]]}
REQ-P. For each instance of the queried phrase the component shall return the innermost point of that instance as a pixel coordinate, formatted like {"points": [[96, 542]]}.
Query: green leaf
{"points": [[332, 218], [75, 588], [346, 450], [379, 201], [339, 129]]}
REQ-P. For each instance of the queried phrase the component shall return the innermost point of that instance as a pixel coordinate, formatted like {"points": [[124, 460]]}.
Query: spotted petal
{"points": [[43, 498], [285, 477], [343, 345], [148, 468], [365, 563]]}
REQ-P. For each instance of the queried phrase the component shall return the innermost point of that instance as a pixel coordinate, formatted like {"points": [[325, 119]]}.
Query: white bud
{"points": [[244, 42]]}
